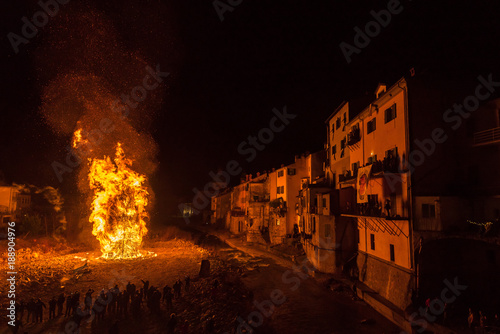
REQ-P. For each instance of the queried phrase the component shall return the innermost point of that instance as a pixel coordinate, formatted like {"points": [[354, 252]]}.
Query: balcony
{"points": [[363, 209], [348, 175], [353, 137], [490, 136], [388, 165]]}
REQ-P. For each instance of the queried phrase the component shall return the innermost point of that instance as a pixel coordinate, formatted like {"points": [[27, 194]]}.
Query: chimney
{"points": [[250, 177], [296, 158], [258, 174], [273, 169]]}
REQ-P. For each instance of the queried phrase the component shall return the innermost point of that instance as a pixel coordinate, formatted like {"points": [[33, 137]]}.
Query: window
{"points": [[342, 143], [371, 125], [282, 189], [281, 173], [324, 202], [358, 236], [390, 113], [355, 166], [328, 232], [392, 252], [278, 190], [372, 241], [337, 123], [314, 225], [334, 150], [292, 171], [428, 211]]}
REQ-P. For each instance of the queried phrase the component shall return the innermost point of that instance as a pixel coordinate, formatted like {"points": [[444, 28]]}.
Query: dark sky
{"points": [[226, 77]]}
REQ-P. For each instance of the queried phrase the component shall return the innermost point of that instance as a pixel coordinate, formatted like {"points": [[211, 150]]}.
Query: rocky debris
{"points": [[212, 303], [215, 302]]}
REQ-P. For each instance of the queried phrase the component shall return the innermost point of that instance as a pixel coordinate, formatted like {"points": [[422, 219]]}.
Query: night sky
{"points": [[226, 77]]}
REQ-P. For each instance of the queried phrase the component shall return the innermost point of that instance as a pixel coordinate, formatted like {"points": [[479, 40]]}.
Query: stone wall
{"points": [[391, 282]]}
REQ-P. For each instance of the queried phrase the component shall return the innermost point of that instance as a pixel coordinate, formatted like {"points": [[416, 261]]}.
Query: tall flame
{"points": [[119, 206]]}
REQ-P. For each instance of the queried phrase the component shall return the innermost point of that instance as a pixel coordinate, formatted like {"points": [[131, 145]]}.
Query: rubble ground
{"points": [[45, 271]]}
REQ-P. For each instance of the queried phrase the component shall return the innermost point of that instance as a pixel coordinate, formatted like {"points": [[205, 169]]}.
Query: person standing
{"points": [[470, 319], [166, 288], [22, 306], [69, 305], [482, 322], [60, 303], [387, 207], [39, 306], [88, 300], [146, 287], [31, 310], [52, 308]]}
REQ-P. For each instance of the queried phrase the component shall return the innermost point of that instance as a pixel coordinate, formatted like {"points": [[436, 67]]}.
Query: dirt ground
{"points": [[44, 273]]}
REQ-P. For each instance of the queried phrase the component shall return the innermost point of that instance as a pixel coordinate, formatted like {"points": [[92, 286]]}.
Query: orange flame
{"points": [[119, 206]]}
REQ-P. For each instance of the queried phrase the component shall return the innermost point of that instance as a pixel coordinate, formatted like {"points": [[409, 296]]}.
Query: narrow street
{"points": [[309, 306]]}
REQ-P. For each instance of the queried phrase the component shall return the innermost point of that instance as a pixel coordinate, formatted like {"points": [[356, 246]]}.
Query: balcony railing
{"points": [[487, 136], [388, 165], [349, 175], [353, 137], [364, 209]]}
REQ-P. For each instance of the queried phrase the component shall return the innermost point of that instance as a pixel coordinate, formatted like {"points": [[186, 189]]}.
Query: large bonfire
{"points": [[119, 206]]}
